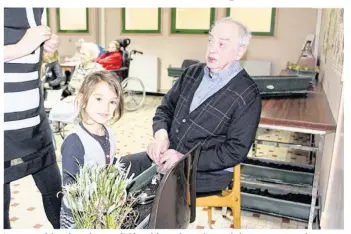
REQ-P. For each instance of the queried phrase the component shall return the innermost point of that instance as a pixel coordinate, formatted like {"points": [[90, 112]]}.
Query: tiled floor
{"points": [[249, 220], [133, 133]]}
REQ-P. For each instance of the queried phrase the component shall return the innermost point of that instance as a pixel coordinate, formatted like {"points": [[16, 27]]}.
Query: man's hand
{"points": [[158, 146], [168, 160], [52, 44], [33, 38]]}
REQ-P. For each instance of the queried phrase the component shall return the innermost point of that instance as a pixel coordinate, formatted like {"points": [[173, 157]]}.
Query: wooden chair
{"points": [[229, 198]]}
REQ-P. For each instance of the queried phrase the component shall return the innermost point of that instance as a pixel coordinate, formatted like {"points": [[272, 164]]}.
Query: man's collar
{"points": [[232, 68]]}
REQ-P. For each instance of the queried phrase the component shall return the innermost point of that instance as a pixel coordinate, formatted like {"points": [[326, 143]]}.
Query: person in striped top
{"points": [[28, 147]]}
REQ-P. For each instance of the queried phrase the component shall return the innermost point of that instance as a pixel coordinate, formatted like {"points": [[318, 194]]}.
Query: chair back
{"points": [[174, 206], [188, 62]]}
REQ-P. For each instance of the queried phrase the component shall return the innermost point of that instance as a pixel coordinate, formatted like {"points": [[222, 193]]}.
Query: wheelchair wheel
{"points": [[133, 93]]}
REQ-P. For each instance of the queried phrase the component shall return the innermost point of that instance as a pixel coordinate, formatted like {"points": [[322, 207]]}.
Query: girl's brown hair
{"points": [[88, 87]]}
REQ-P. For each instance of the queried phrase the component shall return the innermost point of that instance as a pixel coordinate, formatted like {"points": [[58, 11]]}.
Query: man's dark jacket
{"points": [[225, 123]]}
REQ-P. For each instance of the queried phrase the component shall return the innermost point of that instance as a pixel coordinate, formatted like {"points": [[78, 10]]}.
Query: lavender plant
{"points": [[98, 199]]}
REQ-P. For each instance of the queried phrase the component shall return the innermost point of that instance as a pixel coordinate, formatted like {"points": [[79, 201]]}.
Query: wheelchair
{"points": [[133, 88]]}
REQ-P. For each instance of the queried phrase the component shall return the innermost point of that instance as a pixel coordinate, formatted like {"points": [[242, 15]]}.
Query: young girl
{"points": [[52, 71], [91, 142]]}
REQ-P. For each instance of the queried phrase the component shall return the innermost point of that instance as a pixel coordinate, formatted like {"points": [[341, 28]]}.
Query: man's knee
{"points": [[212, 182], [138, 158]]}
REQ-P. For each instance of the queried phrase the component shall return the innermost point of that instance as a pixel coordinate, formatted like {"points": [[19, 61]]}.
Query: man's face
{"points": [[85, 56], [79, 45], [223, 46], [112, 47]]}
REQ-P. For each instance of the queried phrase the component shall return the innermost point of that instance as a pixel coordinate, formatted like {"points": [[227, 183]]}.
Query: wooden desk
{"points": [[68, 66], [311, 115]]}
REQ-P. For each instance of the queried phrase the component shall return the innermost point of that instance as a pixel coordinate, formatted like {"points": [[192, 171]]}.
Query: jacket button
{"points": [[177, 130], [184, 120]]}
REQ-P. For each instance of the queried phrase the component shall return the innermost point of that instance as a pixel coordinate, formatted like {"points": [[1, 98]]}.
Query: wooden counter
{"points": [[311, 112]]}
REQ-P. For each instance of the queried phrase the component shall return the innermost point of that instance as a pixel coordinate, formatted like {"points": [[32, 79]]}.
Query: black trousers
{"points": [[206, 182], [48, 181]]}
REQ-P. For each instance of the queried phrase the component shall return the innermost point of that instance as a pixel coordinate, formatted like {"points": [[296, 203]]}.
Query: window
{"points": [[72, 20], [260, 21], [141, 20], [192, 20]]}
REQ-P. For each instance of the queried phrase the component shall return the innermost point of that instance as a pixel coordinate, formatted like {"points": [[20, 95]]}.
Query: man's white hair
{"points": [[244, 33], [79, 43], [92, 48]]}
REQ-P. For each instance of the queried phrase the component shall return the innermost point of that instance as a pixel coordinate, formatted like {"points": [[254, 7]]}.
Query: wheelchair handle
{"points": [[137, 52]]}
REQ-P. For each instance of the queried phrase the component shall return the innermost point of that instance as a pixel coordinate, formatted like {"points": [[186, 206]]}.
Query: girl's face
{"points": [[102, 103]]}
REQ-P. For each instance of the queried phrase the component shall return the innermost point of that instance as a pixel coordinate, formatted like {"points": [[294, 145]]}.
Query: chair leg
{"points": [[236, 216], [209, 216], [224, 212]]}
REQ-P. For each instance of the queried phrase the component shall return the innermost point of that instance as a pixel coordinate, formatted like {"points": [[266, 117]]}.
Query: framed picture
{"points": [[74, 20], [47, 12], [141, 20], [260, 21], [192, 20]]}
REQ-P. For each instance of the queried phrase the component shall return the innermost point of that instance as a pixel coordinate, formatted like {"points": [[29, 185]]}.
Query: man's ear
{"points": [[241, 52]]}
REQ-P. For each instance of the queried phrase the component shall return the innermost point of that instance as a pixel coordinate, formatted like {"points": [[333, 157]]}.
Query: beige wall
{"points": [[333, 188], [292, 26], [68, 40], [333, 88], [172, 49]]}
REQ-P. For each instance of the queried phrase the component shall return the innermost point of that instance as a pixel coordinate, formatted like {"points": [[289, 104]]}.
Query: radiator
{"points": [[257, 67], [146, 68]]}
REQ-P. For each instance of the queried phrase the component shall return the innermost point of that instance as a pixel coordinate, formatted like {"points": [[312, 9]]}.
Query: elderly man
{"points": [[217, 104]]}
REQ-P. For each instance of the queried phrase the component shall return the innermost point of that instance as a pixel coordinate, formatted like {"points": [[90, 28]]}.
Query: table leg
{"points": [[318, 165], [254, 146], [312, 143]]}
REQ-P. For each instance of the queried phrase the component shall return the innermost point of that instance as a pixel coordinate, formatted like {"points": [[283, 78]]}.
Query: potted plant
{"points": [[98, 198]]}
